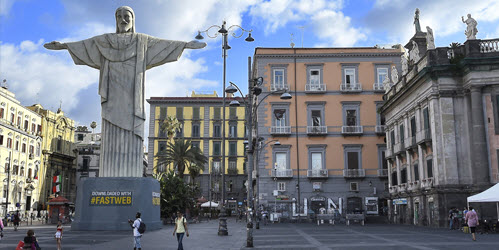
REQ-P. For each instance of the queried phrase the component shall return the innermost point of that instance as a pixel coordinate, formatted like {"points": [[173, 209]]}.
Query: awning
{"points": [[209, 204]]}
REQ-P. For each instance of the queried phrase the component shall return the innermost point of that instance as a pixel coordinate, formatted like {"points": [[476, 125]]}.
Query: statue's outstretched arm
{"points": [[195, 45], [54, 45]]}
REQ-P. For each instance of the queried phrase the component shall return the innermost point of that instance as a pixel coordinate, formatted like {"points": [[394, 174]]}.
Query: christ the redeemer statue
{"points": [[123, 58]]}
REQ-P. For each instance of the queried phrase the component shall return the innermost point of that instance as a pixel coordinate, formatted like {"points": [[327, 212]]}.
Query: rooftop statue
{"points": [[395, 75], [414, 53], [430, 39], [416, 21], [122, 59], [405, 66], [471, 29]]}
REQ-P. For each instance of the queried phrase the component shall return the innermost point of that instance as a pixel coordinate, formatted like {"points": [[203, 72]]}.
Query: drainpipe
{"points": [[296, 134]]}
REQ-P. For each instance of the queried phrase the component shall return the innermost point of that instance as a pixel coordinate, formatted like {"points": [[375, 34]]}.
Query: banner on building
{"points": [[111, 198], [57, 179], [56, 188], [156, 199]]}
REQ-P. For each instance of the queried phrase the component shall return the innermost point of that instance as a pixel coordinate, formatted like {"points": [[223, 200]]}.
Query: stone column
{"points": [[480, 168], [422, 173], [398, 170]]}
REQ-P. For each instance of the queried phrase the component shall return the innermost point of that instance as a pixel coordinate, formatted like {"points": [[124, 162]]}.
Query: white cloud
{"points": [[335, 28], [5, 6]]}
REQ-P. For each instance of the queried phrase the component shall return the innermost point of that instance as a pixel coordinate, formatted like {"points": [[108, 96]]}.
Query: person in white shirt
{"points": [[180, 229], [136, 235]]}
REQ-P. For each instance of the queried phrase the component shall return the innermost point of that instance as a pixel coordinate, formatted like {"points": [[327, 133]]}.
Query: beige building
{"points": [[20, 155], [59, 154], [331, 151]]}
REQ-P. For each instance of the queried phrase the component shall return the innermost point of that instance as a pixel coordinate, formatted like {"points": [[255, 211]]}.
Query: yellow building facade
{"points": [[20, 155], [201, 121], [58, 154]]}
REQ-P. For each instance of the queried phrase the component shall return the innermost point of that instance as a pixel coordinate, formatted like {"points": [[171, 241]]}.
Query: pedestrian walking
{"points": [[136, 234], [180, 229], [472, 220], [58, 235], [451, 218], [30, 241], [1, 229], [16, 220]]}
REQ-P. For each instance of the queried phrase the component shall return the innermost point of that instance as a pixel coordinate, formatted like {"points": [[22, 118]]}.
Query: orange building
{"points": [[331, 138]]}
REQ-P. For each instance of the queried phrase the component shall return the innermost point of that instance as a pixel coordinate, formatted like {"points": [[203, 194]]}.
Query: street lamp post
{"points": [[222, 228], [253, 90], [257, 187], [8, 184]]}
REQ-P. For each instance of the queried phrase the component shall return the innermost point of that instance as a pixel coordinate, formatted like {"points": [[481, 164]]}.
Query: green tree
{"points": [[182, 155], [176, 195]]}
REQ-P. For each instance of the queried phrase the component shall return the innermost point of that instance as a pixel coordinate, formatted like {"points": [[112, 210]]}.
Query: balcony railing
{"points": [[378, 87], [282, 173], [232, 171], [317, 173], [351, 130], [402, 188], [393, 189], [423, 136], [316, 130], [398, 148], [410, 142], [427, 183], [380, 129], [276, 87], [351, 87], [280, 130], [389, 152], [315, 88], [489, 46], [354, 173], [383, 172], [414, 186]]}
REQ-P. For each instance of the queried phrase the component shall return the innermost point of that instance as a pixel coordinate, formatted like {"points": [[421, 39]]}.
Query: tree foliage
{"points": [[182, 155], [176, 195]]}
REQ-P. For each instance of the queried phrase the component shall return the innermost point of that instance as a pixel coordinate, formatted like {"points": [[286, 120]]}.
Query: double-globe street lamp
{"points": [[223, 31], [251, 104]]}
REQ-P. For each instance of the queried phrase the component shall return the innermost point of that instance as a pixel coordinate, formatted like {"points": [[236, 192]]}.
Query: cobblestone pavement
{"points": [[273, 236]]}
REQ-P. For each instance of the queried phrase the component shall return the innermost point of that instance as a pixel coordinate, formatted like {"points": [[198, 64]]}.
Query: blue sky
{"points": [[37, 75]]}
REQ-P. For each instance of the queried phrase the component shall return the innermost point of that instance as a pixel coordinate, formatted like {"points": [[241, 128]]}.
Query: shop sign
{"points": [[317, 185], [282, 197], [401, 201], [111, 198], [317, 198]]}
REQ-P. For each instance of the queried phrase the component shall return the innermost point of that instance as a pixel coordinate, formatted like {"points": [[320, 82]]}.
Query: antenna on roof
{"points": [[4, 83], [302, 28], [292, 43]]}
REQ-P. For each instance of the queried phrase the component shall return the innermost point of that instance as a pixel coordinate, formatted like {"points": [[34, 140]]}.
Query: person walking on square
{"points": [[30, 240], [451, 218], [58, 235], [1, 228], [180, 229], [472, 220], [136, 234], [16, 220]]}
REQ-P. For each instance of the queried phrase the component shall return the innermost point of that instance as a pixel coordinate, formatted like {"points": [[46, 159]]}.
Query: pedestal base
{"points": [[106, 203]]}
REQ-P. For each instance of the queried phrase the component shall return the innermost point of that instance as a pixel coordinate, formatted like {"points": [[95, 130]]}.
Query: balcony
{"points": [[427, 183], [276, 87], [382, 172], [402, 188], [380, 129], [410, 142], [389, 153], [351, 130], [378, 87], [350, 87], [414, 186], [280, 130], [393, 189], [232, 171], [316, 130], [354, 173], [315, 88], [282, 173], [423, 136], [398, 148], [317, 173]]}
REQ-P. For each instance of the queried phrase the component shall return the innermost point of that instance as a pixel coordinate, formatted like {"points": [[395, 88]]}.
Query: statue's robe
{"points": [[123, 60]]}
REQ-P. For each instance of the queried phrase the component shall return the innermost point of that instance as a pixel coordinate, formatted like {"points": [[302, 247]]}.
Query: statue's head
{"points": [[125, 20], [469, 15], [417, 10]]}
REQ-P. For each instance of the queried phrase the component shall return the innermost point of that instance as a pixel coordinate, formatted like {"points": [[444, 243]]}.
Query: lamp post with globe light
{"points": [[224, 32]]}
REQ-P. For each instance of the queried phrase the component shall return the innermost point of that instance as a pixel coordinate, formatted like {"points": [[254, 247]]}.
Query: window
{"points": [[195, 130], [382, 73], [6, 169], [17, 145], [162, 113], [349, 76], [216, 113], [426, 119], [351, 118], [80, 137], [353, 160], [394, 178], [351, 113], [216, 167], [195, 144], [392, 138], [402, 135], [180, 113], [232, 167], [233, 130], [22, 171], [317, 161], [416, 171], [4, 191], [278, 78], [12, 118], [216, 148], [315, 77], [316, 118], [19, 121], [403, 175], [281, 161], [354, 186], [216, 130], [38, 149], [1, 139], [352, 156], [15, 170], [162, 146], [429, 167], [85, 164], [2, 110], [232, 148], [195, 113], [26, 125], [232, 113], [413, 126], [59, 143], [9, 142], [31, 150], [382, 164], [380, 119], [39, 129], [281, 186]]}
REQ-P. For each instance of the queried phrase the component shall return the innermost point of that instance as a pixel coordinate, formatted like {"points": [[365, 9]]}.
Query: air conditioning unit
{"points": [[354, 186], [323, 172]]}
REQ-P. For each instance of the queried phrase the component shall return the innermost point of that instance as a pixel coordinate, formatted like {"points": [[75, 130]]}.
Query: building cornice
{"points": [[331, 55]]}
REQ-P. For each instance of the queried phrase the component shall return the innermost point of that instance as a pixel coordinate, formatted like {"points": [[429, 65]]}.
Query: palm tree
{"points": [[182, 154]]}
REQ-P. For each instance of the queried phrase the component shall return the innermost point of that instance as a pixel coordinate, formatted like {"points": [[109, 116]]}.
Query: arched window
{"points": [[22, 171], [29, 173]]}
